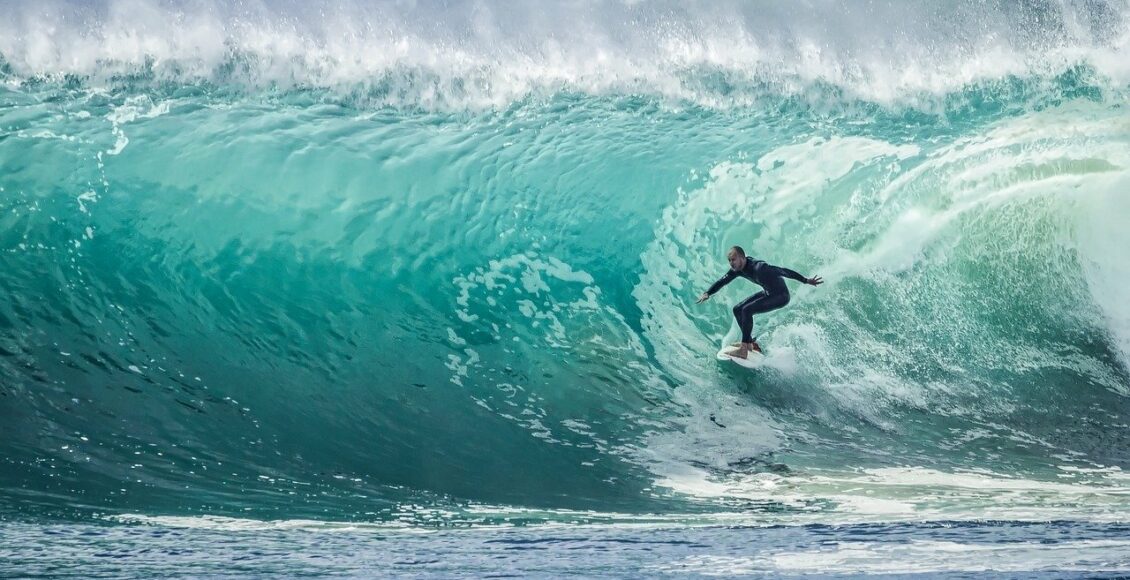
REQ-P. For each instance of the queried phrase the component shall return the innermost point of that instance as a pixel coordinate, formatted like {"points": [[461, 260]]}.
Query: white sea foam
{"points": [[919, 556], [920, 494], [473, 53], [1102, 229]]}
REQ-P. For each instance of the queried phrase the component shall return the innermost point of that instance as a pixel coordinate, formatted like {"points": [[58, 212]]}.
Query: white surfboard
{"points": [[753, 360]]}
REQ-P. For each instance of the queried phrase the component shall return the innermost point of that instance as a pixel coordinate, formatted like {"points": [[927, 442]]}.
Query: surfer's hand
{"points": [[814, 281], [702, 298]]}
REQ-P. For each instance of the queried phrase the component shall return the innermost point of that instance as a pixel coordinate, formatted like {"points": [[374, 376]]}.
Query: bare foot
{"points": [[741, 352]]}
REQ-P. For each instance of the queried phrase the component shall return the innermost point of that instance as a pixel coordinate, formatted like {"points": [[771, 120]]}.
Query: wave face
{"points": [[436, 262]]}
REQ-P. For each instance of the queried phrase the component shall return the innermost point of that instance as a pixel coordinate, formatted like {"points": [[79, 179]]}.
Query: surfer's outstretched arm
{"points": [[725, 279], [787, 273]]}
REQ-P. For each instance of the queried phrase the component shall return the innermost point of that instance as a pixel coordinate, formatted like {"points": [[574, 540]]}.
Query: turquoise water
{"points": [[424, 267]]}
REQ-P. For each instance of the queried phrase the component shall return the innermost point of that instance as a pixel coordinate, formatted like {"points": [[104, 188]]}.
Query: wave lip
{"points": [[476, 54]]}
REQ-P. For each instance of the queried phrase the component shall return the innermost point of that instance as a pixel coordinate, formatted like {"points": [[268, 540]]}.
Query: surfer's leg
{"points": [[744, 315], [756, 304]]}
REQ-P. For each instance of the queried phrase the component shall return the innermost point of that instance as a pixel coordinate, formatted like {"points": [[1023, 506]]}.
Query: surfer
{"points": [[774, 295]]}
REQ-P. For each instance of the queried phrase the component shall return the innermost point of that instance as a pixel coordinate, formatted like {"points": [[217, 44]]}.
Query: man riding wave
{"points": [[774, 295]]}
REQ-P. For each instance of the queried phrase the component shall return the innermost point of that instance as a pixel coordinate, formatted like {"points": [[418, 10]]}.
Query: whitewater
{"points": [[408, 288]]}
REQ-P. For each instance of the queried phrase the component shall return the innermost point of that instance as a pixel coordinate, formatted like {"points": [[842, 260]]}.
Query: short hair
{"points": [[737, 249]]}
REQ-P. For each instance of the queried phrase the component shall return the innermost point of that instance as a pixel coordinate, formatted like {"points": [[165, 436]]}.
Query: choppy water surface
{"points": [[416, 281]]}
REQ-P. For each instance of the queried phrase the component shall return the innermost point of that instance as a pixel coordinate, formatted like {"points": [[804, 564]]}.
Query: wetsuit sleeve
{"points": [[725, 279], [787, 273]]}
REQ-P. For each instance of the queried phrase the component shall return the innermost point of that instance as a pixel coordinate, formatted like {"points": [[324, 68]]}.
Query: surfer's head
{"points": [[736, 256]]}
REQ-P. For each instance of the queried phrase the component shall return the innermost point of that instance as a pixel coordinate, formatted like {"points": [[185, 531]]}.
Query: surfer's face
{"points": [[737, 261]]}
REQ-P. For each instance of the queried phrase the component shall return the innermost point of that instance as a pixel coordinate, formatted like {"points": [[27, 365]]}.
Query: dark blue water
{"points": [[218, 547]]}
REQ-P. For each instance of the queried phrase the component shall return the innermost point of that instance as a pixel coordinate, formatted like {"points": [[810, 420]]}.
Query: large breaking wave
{"points": [[402, 263]]}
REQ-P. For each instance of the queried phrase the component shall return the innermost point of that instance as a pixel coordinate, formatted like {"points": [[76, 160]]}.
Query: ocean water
{"points": [[408, 288]]}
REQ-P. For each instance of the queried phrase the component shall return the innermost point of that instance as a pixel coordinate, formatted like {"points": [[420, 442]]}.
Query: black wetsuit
{"points": [[774, 295]]}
